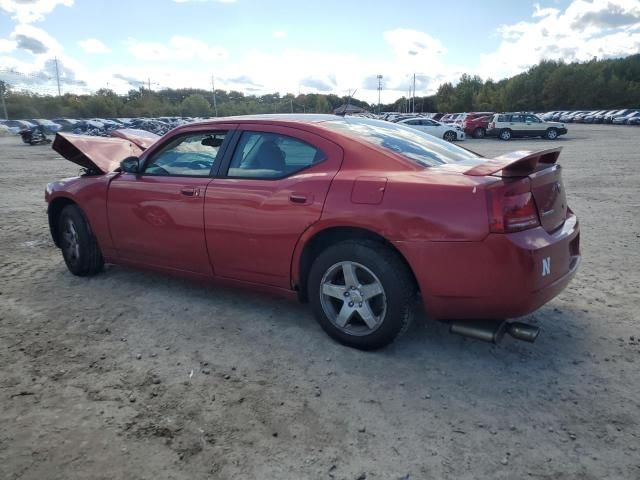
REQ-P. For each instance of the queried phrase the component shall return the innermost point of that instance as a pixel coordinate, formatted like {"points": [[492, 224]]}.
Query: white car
{"points": [[447, 131]]}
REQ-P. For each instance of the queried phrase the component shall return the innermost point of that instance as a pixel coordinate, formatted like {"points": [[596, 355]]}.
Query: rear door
{"points": [[272, 188], [517, 125]]}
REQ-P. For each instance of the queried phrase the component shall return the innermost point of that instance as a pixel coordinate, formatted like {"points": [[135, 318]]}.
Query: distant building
{"points": [[345, 109]]}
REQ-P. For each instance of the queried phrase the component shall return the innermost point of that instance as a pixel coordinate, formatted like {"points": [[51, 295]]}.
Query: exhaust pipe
{"points": [[493, 330], [523, 331]]}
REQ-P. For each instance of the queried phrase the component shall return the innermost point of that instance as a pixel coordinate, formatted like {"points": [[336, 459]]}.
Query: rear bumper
{"points": [[503, 276]]}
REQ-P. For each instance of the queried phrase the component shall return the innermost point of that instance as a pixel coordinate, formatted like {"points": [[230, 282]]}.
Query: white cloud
{"points": [[93, 45], [585, 29], [7, 46], [178, 49], [28, 11], [279, 34]]}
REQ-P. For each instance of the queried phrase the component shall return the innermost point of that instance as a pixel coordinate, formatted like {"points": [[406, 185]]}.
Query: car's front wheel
{"points": [[505, 134], [551, 134], [449, 136], [79, 247], [361, 293]]}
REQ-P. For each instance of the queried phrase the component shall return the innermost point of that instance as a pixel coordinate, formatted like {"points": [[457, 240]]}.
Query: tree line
{"points": [[550, 85]]}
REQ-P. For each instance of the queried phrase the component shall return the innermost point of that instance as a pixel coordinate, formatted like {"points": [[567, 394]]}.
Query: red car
{"points": [[476, 125], [355, 216]]}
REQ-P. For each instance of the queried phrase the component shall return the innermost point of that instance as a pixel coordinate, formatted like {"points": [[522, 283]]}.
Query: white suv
{"points": [[509, 125]]}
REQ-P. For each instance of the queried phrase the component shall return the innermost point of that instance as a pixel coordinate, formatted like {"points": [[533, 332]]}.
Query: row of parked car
{"points": [[624, 116], [94, 126], [505, 125]]}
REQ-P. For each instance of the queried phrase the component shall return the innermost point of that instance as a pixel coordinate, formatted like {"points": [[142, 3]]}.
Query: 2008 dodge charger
{"points": [[355, 216]]}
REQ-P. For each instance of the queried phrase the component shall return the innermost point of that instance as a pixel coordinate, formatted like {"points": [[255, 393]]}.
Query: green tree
{"points": [[195, 106]]}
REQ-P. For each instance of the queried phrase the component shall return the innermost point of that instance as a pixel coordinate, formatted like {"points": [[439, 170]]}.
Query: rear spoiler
{"points": [[516, 164]]}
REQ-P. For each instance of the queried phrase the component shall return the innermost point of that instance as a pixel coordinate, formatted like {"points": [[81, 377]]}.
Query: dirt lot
{"points": [[131, 375]]}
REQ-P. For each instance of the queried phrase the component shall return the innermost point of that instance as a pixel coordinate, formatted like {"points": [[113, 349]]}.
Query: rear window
{"points": [[412, 144]]}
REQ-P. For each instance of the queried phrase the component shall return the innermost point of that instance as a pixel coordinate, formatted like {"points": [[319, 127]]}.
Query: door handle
{"points": [[298, 198], [190, 191]]}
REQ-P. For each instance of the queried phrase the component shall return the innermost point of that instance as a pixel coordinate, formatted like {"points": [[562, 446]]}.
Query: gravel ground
{"points": [[131, 375]]}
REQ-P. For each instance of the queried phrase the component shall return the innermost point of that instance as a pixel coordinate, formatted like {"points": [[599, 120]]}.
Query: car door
{"points": [[272, 189], [434, 128], [533, 126], [517, 125], [156, 216]]}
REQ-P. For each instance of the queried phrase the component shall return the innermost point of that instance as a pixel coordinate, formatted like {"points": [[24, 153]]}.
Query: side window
{"points": [[502, 118], [533, 119], [191, 155], [517, 118], [264, 155]]}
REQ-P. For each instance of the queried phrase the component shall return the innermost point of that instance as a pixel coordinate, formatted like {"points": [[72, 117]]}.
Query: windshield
{"points": [[420, 147]]}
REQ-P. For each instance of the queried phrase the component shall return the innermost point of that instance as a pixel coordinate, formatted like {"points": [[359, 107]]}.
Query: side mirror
{"points": [[130, 165]]}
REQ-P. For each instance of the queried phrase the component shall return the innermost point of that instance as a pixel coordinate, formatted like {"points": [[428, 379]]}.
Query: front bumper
{"points": [[503, 276]]}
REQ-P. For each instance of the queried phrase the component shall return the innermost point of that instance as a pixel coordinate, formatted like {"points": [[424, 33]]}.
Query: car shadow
{"points": [[426, 350]]}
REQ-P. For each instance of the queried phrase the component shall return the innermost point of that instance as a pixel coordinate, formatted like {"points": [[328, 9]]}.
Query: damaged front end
{"points": [[99, 155]]}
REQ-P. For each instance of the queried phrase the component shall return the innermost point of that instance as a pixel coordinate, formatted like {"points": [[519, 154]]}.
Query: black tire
{"points": [[479, 133], [80, 250], [396, 300], [551, 134], [505, 134], [450, 136]]}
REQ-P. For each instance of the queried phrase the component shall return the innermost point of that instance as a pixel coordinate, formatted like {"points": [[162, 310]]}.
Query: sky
{"points": [[300, 46]]}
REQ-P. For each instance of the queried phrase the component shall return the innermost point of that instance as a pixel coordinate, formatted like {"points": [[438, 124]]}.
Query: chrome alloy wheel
{"points": [[353, 298], [70, 244]]}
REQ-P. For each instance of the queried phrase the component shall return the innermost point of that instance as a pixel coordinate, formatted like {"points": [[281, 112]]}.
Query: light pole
{"points": [[379, 91]]}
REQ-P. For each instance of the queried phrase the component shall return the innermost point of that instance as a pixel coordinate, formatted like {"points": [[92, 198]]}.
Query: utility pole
{"points": [[414, 93], [291, 103], [379, 91], [213, 88], [55, 59], [3, 87], [149, 83]]}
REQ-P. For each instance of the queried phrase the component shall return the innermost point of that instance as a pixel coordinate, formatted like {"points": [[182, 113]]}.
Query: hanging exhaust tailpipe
{"points": [[523, 331], [486, 330], [493, 330]]}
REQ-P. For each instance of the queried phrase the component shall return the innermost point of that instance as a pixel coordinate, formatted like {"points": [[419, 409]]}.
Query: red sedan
{"points": [[355, 216]]}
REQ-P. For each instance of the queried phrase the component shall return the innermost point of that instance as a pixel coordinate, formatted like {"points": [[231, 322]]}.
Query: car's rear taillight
{"points": [[492, 125], [512, 208]]}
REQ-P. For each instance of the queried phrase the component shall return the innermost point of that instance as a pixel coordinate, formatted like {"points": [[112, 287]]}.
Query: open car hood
{"points": [[103, 154]]}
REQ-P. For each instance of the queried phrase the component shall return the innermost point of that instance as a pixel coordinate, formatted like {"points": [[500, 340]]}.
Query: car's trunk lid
{"points": [[544, 176], [102, 154]]}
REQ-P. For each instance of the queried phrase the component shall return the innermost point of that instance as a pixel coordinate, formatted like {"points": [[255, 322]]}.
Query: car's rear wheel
{"points": [[479, 133], [79, 247], [361, 293], [505, 134], [551, 134], [449, 136]]}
